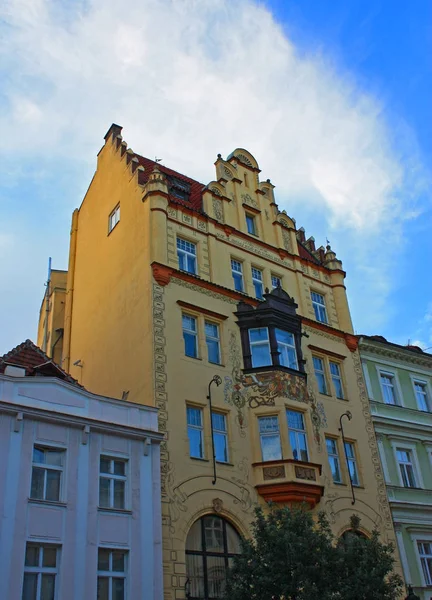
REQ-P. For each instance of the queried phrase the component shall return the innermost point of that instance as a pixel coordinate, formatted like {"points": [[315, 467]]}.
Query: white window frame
{"points": [[273, 278], [400, 442], [40, 570], [110, 575], [416, 537], [113, 477], [255, 229], [222, 433], [199, 428], [216, 339], [191, 332], [339, 377], [257, 281], [187, 254], [322, 359], [269, 434], [260, 343], [352, 460], [114, 218], [317, 305], [396, 385], [286, 346], [237, 272], [297, 433], [336, 457], [428, 392], [47, 467]]}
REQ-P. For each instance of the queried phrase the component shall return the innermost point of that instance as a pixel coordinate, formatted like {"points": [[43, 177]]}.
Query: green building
{"points": [[399, 384]]}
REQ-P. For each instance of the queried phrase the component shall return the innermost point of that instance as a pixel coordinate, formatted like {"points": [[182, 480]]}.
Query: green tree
{"points": [[291, 556]]}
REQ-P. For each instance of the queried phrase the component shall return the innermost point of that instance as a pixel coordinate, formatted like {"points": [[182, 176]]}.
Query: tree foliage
{"points": [[293, 556]]}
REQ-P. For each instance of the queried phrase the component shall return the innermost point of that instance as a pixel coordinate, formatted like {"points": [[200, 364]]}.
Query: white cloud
{"points": [[191, 78]]}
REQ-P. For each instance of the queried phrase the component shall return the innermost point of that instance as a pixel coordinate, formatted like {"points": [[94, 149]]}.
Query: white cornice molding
{"points": [[401, 355]]}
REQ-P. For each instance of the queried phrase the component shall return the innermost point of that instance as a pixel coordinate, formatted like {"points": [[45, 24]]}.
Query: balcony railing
{"points": [[289, 481]]}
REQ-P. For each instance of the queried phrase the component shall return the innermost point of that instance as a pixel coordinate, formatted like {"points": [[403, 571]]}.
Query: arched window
{"points": [[210, 547], [349, 535]]}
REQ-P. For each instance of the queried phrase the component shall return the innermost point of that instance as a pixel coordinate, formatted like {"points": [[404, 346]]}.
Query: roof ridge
{"points": [[162, 167]]}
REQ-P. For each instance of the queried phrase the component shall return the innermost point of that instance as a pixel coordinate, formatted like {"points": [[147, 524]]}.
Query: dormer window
{"points": [[271, 333]]}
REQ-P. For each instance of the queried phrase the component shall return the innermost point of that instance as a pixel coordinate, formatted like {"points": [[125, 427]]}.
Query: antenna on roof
{"points": [[157, 160]]}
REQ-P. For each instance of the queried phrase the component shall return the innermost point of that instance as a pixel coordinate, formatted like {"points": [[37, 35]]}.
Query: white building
{"points": [[79, 488]]}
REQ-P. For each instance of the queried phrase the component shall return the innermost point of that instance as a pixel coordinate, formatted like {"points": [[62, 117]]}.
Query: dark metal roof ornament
{"points": [[411, 595]]}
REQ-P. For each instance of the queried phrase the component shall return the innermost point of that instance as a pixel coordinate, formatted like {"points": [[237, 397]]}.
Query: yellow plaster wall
{"points": [[125, 326], [57, 299]]}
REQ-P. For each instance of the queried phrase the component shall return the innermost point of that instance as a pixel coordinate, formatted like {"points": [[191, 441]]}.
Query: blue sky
{"points": [[332, 98]]}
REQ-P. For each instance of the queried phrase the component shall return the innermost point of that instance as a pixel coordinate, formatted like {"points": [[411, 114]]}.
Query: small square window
{"points": [[276, 282], [270, 438], [388, 388], [352, 463], [114, 218], [406, 467], [297, 435], [220, 436], [260, 347], [425, 553], [40, 571], [251, 224], [333, 457]]}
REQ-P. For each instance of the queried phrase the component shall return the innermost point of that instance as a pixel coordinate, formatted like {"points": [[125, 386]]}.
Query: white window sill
{"points": [[122, 511], [47, 502]]}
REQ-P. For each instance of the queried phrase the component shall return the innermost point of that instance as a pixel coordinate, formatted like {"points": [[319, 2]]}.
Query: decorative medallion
{"points": [[217, 505], [227, 173], [247, 199]]}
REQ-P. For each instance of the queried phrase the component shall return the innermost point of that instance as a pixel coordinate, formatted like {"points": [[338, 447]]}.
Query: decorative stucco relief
{"points": [[247, 199], [218, 210], [261, 389], [202, 290]]}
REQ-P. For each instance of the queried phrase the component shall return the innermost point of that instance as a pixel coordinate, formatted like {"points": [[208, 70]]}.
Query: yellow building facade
{"points": [[177, 291]]}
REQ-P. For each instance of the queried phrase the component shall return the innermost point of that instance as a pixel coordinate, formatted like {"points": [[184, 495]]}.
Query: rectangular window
{"points": [[333, 457], [276, 281], [287, 350], [318, 364], [186, 253], [406, 467], [257, 281], [420, 388], [250, 224], [260, 347], [112, 482], [190, 336], [111, 574], [352, 463], [213, 342], [195, 432], [319, 307], [425, 552], [237, 274], [220, 436], [114, 218], [335, 373], [297, 435], [270, 438], [47, 473], [388, 388], [40, 572]]}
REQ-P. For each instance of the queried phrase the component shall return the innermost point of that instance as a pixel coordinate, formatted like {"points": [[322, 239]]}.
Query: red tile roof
{"points": [[196, 188], [35, 362], [306, 254]]}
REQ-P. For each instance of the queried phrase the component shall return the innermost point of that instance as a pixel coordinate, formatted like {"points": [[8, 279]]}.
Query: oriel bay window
{"points": [[271, 333]]}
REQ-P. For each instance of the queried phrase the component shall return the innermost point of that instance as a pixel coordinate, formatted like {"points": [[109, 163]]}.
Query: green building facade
{"points": [[399, 384]]}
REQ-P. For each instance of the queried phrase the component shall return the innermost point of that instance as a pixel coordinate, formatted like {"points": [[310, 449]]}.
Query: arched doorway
{"points": [[211, 545]]}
